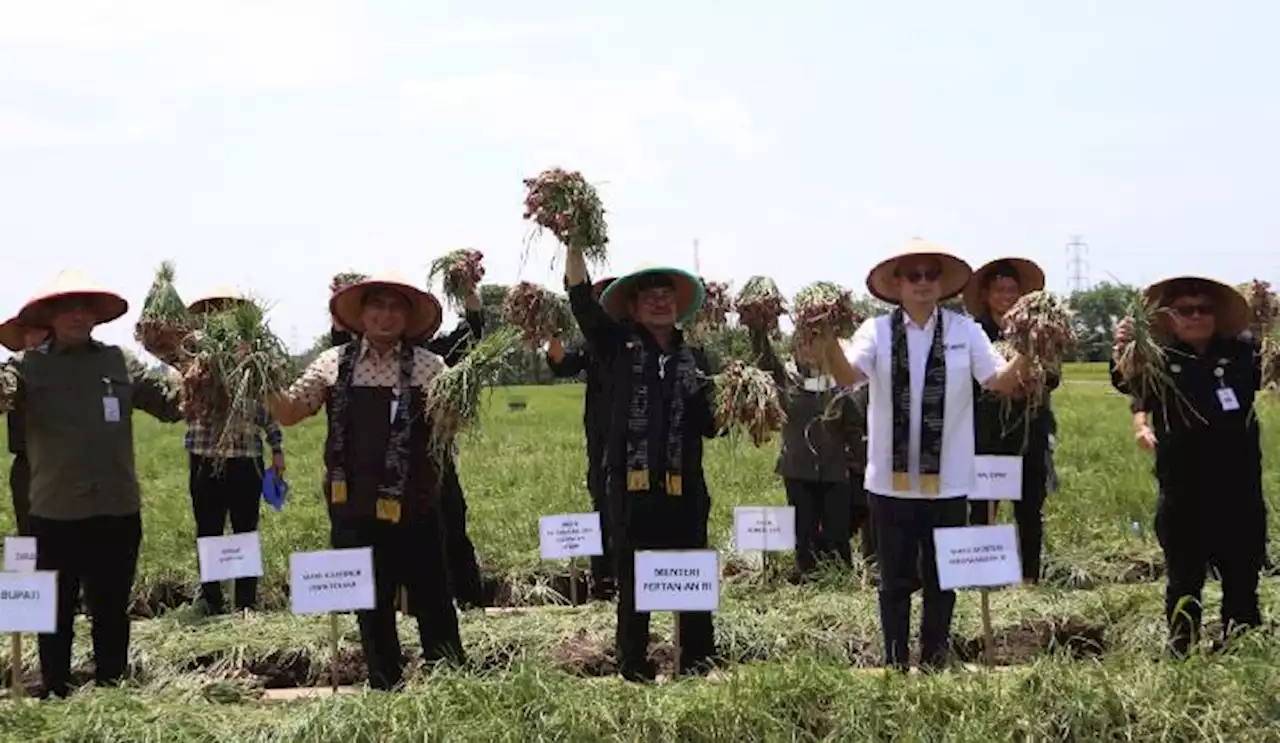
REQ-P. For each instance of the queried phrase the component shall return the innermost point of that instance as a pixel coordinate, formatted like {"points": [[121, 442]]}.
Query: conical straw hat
{"points": [[1030, 279], [106, 305], [424, 309], [1231, 310], [955, 272], [216, 299], [616, 297]]}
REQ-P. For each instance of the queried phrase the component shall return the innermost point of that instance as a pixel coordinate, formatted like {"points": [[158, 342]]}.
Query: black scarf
{"points": [[395, 473], [640, 478], [933, 407]]}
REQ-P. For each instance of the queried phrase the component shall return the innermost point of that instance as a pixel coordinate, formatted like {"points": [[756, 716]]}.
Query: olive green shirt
{"points": [[77, 411]]}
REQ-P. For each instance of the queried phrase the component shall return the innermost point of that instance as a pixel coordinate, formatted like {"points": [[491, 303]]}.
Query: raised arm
{"points": [[602, 332], [271, 431], [767, 356], [989, 368], [566, 364], [704, 406], [453, 348], [156, 394], [853, 365]]}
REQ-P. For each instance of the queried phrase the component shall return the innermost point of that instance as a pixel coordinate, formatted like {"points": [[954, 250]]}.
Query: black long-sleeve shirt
{"points": [[607, 341]]}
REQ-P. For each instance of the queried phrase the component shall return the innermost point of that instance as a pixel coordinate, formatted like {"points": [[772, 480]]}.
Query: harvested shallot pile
{"points": [[564, 204], [235, 363], [1041, 327], [453, 399], [539, 313], [746, 399], [164, 323], [824, 308], [460, 272], [714, 313], [760, 304], [1264, 311], [1143, 362]]}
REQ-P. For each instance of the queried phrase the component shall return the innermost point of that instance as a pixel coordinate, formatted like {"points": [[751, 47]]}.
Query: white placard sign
{"points": [[19, 554], [570, 535], [331, 580], [764, 528], [997, 478], [230, 557], [677, 580], [29, 602], [978, 556]]}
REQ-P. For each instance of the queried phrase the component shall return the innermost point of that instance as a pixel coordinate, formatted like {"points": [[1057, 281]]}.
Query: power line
{"points": [[1077, 264]]}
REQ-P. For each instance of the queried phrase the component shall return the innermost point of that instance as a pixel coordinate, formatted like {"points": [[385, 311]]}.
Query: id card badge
{"points": [[1227, 397], [111, 409]]}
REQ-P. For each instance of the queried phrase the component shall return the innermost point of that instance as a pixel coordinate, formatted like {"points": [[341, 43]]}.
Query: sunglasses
{"points": [[1192, 310], [919, 275]]}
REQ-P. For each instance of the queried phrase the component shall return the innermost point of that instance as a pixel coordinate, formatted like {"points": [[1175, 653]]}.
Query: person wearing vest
{"points": [[1000, 430], [570, 363], [76, 399], [381, 482], [1210, 510], [15, 337], [460, 552], [814, 459], [224, 478], [659, 412], [855, 427], [920, 361]]}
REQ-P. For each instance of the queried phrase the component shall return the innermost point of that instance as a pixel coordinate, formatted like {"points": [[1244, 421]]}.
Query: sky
{"points": [[272, 143]]}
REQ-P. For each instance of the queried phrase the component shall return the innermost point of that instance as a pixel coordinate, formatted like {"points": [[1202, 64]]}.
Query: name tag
{"points": [[1227, 397], [111, 409]]}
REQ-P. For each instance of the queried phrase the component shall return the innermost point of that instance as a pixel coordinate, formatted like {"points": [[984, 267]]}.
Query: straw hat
{"points": [[424, 309], [217, 299], [690, 293], [11, 335], [1030, 279], [106, 305], [1230, 308], [955, 273]]}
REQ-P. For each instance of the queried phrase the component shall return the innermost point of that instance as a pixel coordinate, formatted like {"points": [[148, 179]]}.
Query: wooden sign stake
{"points": [[333, 650], [988, 636], [574, 574], [15, 665]]}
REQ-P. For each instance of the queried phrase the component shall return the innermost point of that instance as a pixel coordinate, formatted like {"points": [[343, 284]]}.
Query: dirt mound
{"points": [[582, 655], [1025, 642]]}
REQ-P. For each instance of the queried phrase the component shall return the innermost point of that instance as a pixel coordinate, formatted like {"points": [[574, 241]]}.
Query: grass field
{"points": [[1082, 651]]}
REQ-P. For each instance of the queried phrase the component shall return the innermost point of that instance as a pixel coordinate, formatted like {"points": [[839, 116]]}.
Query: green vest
{"points": [[81, 464]]}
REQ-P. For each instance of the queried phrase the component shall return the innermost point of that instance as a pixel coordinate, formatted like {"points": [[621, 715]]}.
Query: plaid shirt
{"points": [[202, 440]]}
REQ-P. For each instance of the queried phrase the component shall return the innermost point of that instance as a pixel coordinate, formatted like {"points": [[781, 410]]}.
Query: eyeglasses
{"points": [[919, 275], [1192, 310]]}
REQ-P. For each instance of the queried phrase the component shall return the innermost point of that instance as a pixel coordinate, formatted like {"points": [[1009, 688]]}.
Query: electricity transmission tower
{"points": [[1077, 264]]}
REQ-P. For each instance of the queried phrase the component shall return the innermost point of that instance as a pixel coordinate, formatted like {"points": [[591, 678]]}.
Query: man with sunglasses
{"points": [[76, 399], [920, 361], [1208, 455]]}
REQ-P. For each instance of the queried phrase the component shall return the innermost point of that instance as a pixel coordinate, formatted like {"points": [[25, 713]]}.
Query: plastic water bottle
{"points": [[1137, 529]]}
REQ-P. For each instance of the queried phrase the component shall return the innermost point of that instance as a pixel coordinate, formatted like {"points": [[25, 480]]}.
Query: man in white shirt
{"points": [[920, 361]]}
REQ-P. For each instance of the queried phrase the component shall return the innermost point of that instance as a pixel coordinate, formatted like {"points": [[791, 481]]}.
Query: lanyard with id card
{"points": [[110, 403], [1226, 396]]}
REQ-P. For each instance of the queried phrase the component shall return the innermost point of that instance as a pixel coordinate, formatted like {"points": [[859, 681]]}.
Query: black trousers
{"points": [[679, 525], [464, 568], [905, 549], [20, 486], [99, 554], [1028, 513], [218, 494], [408, 554], [1229, 537], [824, 530], [601, 565], [860, 518]]}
